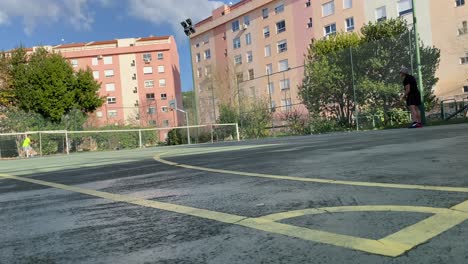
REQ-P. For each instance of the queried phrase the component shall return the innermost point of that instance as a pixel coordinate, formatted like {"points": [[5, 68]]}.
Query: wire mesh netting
{"points": [[45, 143]]}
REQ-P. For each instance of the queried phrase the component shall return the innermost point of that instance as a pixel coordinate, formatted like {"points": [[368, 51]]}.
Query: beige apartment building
{"points": [[257, 48]]}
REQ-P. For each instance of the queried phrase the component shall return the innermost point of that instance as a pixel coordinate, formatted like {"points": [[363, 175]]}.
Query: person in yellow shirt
{"points": [[27, 146]]}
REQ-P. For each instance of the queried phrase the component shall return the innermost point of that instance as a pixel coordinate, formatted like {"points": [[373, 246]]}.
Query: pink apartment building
{"points": [[138, 76], [262, 43]]}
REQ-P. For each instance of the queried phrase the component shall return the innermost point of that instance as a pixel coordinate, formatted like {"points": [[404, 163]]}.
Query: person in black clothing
{"points": [[413, 96]]}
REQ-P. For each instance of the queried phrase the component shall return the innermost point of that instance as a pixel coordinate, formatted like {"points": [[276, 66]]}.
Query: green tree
{"points": [[188, 101], [327, 87], [254, 118], [45, 83], [374, 57]]}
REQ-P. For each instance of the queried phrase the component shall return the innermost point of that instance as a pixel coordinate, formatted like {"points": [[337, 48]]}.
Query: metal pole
{"points": [[213, 102], [140, 139], [356, 105], [270, 103], [212, 138], [195, 92], [66, 142], [239, 100], [188, 128], [40, 143], [237, 131], [418, 63]]}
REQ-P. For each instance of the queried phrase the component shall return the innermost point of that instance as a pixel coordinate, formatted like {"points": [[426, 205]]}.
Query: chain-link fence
{"points": [[58, 142], [353, 86]]}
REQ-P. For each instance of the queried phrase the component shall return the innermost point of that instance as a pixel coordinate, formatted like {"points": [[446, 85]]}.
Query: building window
{"points": [[112, 113], [206, 41], [198, 57], [208, 71], [161, 69], [330, 30], [266, 32], [163, 96], [310, 24], [99, 114], [273, 106], [160, 56], [246, 20], [328, 9], [238, 60], [94, 61], [96, 75], [235, 26], [147, 57], [286, 104], [149, 84], [248, 39], [107, 60], [109, 73], [381, 13], [281, 26], [405, 7], [148, 70], [165, 123], [236, 43], [162, 82], [111, 100], [207, 54], [279, 8], [249, 57], [110, 87], [199, 74], [282, 46], [271, 88], [465, 89], [74, 63], [464, 60], [151, 110], [253, 92], [347, 4], [307, 4], [459, 2], [269, 69], [164, 109], [150, 97], [240, 77], [265, 13], [197, 45], [251, 74], [350, 24], [283, 65], [267, 50], [284, 84], [464, 29]]}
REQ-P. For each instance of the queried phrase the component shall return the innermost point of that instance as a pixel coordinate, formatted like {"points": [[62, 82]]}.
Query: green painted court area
{"points": [[395, 196]]}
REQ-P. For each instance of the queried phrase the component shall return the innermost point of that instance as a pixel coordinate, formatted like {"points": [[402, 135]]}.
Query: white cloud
{"points": [[37, 12], [170, 12]]}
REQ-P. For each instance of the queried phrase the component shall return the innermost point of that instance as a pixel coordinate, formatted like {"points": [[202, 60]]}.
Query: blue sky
{"points": [[51, 22]]}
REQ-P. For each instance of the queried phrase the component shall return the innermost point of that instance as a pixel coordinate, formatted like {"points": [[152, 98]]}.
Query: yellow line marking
{"points": [[365, 208], [315, 180], [392, 246]]}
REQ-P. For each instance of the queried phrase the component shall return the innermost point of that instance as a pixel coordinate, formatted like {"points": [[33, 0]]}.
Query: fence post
{"points": [[212, 139], [40, 143], [140, 142], [373, 121], [66, 143], [237, 131]]}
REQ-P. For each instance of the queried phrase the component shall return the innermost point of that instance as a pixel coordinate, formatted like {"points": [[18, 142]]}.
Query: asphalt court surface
{"points": [[397, 196]]}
